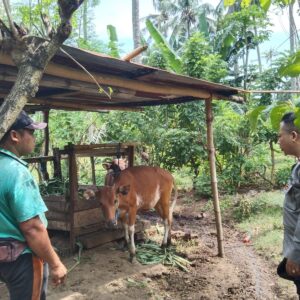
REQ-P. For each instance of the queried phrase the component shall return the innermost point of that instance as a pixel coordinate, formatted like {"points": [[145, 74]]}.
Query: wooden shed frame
{"points": [[68, 213], [66, 86]]}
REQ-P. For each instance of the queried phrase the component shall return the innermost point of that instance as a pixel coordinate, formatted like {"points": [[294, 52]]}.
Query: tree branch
{"points": [[13, 29], [31, 57]]}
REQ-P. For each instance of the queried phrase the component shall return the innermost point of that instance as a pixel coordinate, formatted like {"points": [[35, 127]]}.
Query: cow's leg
{"points": [[163, 208], [131, 222], [124, 220]]}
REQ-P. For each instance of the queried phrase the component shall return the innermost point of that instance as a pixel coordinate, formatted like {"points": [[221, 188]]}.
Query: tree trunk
{"points": [[136, 26], [272, 162], [258, 53], [31, 56], [85, 21], [293, 30], [246, 68]]}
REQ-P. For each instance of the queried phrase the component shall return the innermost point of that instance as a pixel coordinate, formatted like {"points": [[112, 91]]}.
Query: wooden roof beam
{"points": [[76, 106], [115, 81]]}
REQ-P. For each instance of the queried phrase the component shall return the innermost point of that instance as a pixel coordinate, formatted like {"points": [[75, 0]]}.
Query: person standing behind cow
{"points": [[289, 142], [25, 247]]}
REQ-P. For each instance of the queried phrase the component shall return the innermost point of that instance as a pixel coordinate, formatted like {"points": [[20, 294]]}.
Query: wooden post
{"points": [[57, 163], [93, 170], [130, 156], [73, 192], [214, 181], [43, 164], [46, 133]]}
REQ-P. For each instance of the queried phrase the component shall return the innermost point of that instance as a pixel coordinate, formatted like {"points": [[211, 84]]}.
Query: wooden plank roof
{"points": [[65, 85]]}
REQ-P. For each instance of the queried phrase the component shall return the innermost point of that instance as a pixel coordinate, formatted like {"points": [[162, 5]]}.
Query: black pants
{"points": [[281, 271], [19, 276]]}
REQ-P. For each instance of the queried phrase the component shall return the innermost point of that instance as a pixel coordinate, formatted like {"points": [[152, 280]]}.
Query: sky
{"points": [[118, 14]]}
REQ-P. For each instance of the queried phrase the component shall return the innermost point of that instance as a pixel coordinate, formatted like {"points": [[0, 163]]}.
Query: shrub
{"points": [[282, 176]]}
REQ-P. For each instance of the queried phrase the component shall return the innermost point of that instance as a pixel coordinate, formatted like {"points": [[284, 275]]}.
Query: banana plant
{"points": [[275, 114], [292, 68], [113, 41], [173, 60]]}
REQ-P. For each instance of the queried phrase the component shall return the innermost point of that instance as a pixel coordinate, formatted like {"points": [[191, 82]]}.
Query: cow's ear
{"points": [[123, 189], [106, 166]]}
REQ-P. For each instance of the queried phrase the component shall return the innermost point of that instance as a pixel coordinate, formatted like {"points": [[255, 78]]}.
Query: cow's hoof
{"points": [[132, 259], [164, 246]]}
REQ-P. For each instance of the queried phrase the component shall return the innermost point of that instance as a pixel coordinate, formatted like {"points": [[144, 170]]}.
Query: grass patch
{"points": [[260, 216], [183, 179]]}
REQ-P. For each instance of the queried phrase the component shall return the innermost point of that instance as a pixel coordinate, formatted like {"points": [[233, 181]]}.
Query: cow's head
{"points": [[109, 198]]}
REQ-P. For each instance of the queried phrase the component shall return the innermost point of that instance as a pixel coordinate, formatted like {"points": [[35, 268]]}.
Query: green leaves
{"points": [[173, 60], [151, 253], [297, 120], [253, 116], [293, 67], [113, 41], [278, 111], [265, 4], [229, 2]]}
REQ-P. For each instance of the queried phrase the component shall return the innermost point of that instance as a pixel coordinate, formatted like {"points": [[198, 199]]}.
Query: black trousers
{"points": [[281, 271], [19, 278]]}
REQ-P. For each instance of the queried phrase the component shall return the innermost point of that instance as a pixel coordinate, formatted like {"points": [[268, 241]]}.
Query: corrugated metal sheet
{"points": [[66, 86]]}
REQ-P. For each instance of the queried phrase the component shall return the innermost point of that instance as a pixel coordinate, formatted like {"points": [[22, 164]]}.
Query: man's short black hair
{"points": [[288, 120]]}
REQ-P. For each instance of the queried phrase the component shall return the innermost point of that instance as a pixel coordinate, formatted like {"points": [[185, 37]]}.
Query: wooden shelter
{"points": [[66, 86]]}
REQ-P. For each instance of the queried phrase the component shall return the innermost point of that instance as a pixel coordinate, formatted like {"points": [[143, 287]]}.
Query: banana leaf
{"points": [[173, 60]]}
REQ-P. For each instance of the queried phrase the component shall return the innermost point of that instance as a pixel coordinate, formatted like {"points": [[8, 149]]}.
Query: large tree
{"points": [[31, 55]]}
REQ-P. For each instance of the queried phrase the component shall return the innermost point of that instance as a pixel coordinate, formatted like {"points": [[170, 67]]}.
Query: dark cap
{"points": [[24, 121]]}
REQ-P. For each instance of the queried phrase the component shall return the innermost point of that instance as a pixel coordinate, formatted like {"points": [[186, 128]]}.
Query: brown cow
{"points": [[113, 169], [139, 188]]}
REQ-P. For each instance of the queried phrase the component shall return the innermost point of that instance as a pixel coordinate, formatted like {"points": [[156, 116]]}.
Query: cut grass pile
{"points": [[151, 253]]}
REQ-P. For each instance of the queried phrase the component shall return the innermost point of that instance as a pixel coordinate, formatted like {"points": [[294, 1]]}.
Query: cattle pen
{"points": [[68, 211], [66, 86]]}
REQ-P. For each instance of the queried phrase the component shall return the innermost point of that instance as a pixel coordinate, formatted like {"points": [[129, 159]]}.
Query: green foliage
{"points": [[203, 185], [54, 186], [282, 176], [150, 253], [200, 62], [265, 4], [278, 111], [235, 33], [92, 45], [171, 57], [253, 116], [113, 41], [292, 68], [156, 59]]}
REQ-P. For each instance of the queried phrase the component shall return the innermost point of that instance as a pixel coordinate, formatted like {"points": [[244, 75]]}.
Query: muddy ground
{"points": [[105, 272]]}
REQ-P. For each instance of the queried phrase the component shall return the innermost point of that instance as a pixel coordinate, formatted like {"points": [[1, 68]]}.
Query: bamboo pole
{"points": [[134, 53], [214, 181], [273, 91]]}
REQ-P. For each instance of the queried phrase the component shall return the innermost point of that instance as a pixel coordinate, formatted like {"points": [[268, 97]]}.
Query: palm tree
{"points": [[179, 19], [136, 24]]}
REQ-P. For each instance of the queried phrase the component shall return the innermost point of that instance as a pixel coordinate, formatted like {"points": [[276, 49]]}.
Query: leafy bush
{"points": [[282, 176], [203, 185], [248, 206]]}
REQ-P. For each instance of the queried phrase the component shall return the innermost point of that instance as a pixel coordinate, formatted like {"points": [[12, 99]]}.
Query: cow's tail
{"points": [[174, 200]]}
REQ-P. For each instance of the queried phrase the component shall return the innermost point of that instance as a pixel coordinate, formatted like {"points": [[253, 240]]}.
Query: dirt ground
{"points": [[105, 272]]}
